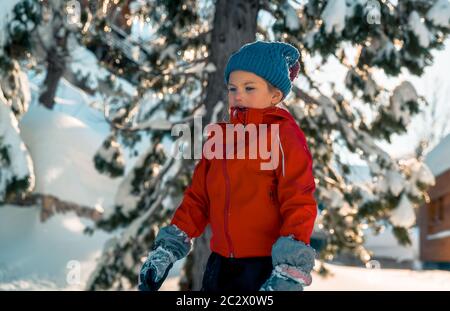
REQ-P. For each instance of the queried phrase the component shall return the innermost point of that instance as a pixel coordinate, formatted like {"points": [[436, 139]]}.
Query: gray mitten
{"points": [[293, 262], [171, 244]]}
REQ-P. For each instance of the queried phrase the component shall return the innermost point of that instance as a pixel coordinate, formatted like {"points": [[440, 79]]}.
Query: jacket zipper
{"points": [[227, 196], [271, 196], [227, 204]]}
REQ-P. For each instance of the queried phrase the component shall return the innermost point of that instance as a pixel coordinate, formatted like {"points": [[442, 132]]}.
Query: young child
{"points": [[261, 219]]}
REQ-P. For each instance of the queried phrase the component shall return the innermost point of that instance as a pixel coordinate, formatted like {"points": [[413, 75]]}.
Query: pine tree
{"points": [[178, 74]]}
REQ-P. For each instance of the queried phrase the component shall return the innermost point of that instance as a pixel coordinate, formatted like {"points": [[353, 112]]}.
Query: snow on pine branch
{"points": [[200, 67], [17, 173], [109, 157], [333, 16], [16, 89], [408, 179], [136, 187], [403, 95], [439, 13], [292, 21], [419, 29]]}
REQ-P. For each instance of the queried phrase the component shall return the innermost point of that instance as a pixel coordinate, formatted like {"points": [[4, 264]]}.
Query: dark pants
{"points": [[235, 274]]}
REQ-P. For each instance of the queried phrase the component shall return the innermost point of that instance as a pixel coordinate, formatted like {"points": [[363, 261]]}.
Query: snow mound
{"points": [[62, 149], [42, 255]]}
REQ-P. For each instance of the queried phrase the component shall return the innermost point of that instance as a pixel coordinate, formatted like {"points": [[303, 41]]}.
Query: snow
{"points": [[373, 278], [402, 94], [169, 52], [155, 124], [370, 87], [21, 166], [16, 89], [439, 14], [5, 17], [335, 197], [124, 196], [392, 181], [349, 133], [85, 62], [309, 38], [217, 109], [62, 147], [38, 254], [292, 21], [137, 5], [386, 245], [387, 51], [200, 67], [333, 16], [419, 29], [329, 109], [438, 159], [108, 153], [80, 143], [439, 235], [421, 173], [359, 174], [403, 215]]}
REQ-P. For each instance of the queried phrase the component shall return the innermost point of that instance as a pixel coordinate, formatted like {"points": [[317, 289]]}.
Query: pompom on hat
{"points": [[276, 62]]}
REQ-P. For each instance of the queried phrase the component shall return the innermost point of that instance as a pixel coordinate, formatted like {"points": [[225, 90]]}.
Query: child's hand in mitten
{"points": [[293, 262], [286, 278], [171, 244], [155, 269]]}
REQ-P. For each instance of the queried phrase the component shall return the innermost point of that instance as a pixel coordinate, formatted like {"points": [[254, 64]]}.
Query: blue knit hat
{"points": [[276, 62]]}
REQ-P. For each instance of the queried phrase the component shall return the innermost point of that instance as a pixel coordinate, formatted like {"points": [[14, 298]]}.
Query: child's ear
{"points": [[277, 95]]}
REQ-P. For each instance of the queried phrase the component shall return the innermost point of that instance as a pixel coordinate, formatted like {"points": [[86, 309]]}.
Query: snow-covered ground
{"points": [[357, 279], [346, 278]]}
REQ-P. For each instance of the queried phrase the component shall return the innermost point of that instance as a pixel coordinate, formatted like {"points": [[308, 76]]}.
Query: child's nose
{"points": [[238, 95]]}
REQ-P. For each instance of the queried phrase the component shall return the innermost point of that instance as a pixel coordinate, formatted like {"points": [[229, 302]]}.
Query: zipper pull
{"points": [[232, 255]]}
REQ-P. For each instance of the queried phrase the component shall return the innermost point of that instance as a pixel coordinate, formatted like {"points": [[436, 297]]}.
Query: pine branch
{"points": [[51, 205]]}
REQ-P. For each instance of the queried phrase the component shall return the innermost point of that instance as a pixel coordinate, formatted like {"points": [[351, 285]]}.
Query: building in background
{"points": [[434, 220]]}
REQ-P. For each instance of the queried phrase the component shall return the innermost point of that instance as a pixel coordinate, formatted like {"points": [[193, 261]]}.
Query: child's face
{"points": [[245, 89]]}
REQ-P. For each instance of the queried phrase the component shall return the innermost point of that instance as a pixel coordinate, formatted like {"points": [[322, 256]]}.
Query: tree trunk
{"points": [[55, 69], [235, 23], [56, 54]]}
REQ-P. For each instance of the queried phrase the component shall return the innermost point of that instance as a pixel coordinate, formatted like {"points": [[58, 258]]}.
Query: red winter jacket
{"points": [[249, 208]]}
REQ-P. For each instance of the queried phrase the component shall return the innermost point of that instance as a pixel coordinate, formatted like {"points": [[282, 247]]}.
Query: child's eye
{"points": [[247, 89]]}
